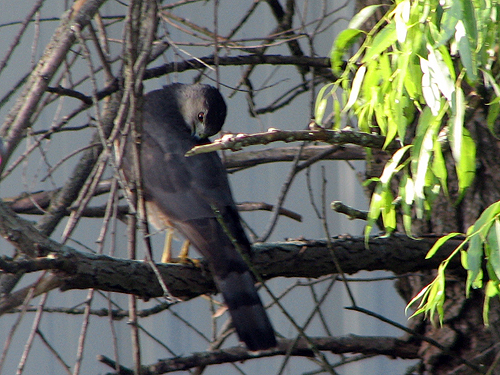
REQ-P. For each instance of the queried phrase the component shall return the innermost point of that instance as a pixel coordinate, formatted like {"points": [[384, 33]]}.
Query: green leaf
{"points": [[439, 167], [391, 166], [440, 74], [413, 81], [379, 197], [440, 243], [452, 13], [336, 115], [363, 15], [430, 89], [491, 291], [466, 168], [356, 87], [432, 297], [383, 40], [467, 52], [493, 240], [493, 113], [427, 128], [401, 18], [374, 211], [388, 211], [343, 42], [457, 124], [469, 19], [478, 233], [321, 102], [407, 193]]}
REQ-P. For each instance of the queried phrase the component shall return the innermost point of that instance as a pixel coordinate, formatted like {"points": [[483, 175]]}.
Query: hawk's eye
{"points": [[201, 116]]}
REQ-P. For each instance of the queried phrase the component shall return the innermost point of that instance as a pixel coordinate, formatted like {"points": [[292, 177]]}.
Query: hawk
{"points": [[186, 192]]}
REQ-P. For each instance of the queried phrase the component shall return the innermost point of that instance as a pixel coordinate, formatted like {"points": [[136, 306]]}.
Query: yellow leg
{"points": [[183, 255], [167, 251], [167, 247]]}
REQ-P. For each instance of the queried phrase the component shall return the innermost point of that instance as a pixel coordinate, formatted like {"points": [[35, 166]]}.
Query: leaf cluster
{"points": [[409, 80]]}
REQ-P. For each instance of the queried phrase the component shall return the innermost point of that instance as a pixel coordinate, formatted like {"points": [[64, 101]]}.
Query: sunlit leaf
{"points": [[493, 240], [401, 18], [427, 128], [321, 102], [413, 80], [475, 251], [457, 124], [440, 243], [379, 197], [466, 51], [356, 86], [466, 168], [344, 41], [469, 19], [388, 212], [383, 40], [430, 89], [452, 13], [440, 74], [363, 15], [374, 211], [439, 167]]}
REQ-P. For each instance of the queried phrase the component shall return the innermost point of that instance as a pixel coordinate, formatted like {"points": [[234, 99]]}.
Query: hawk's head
{"points": [[202, 107]]}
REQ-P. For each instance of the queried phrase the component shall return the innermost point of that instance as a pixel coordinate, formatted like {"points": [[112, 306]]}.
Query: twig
{"points": [[415, 334], [352, 213]]}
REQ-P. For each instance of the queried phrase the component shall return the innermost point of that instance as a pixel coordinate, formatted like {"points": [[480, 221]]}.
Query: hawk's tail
{"points": [[232, 276], [249, 316]]}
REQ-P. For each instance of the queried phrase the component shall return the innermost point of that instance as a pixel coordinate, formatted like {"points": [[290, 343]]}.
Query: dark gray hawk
{"points": [[183, 192]]}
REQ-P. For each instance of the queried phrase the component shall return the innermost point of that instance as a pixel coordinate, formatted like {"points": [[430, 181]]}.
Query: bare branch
{"points": [[349, 344], [341, 137], [247, 159], [320, 63]]}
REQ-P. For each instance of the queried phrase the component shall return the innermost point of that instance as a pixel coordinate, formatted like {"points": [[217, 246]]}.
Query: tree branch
{"points": [[77, 270], [370, 345], [236, 142], [320, 63], [247, 159]]}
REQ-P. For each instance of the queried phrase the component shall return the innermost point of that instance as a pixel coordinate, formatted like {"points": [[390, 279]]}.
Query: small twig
{"points": [[61, 91], [54, 352], [352, 213], [431, 341], [281, 198], [34, 330], [262, 206]]}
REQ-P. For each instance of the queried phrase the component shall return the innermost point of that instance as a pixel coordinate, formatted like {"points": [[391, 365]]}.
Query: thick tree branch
{"points": [[77, 270], [369, 345]]}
